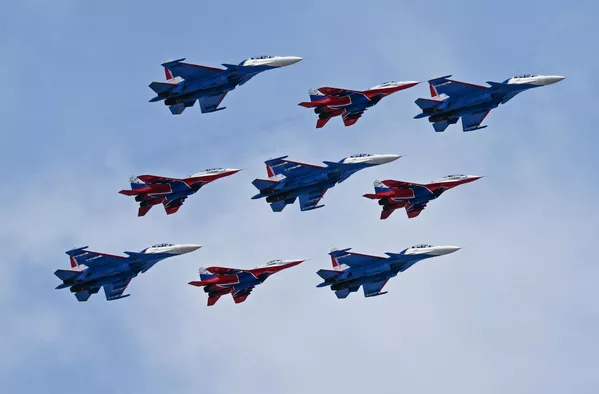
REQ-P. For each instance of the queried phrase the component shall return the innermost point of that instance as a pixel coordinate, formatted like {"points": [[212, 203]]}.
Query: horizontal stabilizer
{"points": [[76, 251], [438, 80], [172, 62], [263, 184], [66, 274], [162, 87], [328, 274], [424, 103]]}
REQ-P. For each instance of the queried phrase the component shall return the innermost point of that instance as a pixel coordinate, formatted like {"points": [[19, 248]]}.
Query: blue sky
{"points": [[513, 311]]}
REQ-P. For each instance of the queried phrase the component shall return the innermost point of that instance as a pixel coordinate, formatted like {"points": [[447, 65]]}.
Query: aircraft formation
{"points": [[288, 181]]}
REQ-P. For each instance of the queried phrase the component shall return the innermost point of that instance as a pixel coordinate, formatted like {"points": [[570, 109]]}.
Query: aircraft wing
{"points": [[290, 169], [310, 201], [374, 288], [399, 184], [349, 118], [173, 206], [357, 259], [336, 91], [453, 88], [472, 122], [178, 68], [223, 270], [114, 290], [93, 259], [240, 295], [414, 210], [211, 103], [150, 179]]}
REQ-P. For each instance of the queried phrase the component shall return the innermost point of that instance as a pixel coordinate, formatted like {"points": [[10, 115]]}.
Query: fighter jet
{"points": [[413, 196], [150, 190], [350, 104], [352, 270], [290, 179], [186, 83], [451, 99], [92, 270], [218, 281]]}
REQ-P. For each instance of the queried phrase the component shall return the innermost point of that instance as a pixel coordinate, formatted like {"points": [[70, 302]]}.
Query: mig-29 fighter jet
{"points": [[185, 83], [289, 180], [451, 100], [218, 281], [352, 270], [413, 196], [92, 270], [350, 104], [150, 190]]}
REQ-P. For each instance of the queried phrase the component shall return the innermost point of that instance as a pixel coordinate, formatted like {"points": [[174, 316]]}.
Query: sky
{"points": [[513, 311]]}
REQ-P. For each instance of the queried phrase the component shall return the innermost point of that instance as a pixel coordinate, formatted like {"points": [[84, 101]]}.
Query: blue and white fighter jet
{"points": [[92, 270], [352, 270], [185, 83], [451, 100], [289, 180]]}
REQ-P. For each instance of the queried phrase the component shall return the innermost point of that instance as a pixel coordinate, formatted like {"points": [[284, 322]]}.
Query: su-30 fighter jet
{"points": [[150, 190], [413, 196], [289, 180], [218, 281], [92, 270], [349, 104], [451, 100], [352, 270], [186, 83]]}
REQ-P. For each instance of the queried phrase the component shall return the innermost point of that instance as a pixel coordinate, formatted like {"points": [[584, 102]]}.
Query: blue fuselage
{"points": [[221, 82], [329, 177], [484, 101], [106, 274], [355, 276]]}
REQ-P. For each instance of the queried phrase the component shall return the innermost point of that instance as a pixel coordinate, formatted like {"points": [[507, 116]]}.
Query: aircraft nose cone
{"points": [[288, 60], [448, 249], [551, 79], [384, 159], [182, 249]]}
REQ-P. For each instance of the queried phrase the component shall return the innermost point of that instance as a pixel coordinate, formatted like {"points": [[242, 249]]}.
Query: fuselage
{"points": [[354, 101], [122, 267], [224, 283], [419, 194], [327, 177], [484, 99], [223, 80], [173, 189], [352, 277]]}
